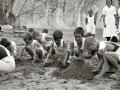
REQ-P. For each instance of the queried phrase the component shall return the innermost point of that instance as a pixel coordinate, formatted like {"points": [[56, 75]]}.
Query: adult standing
{"points": [[119, 15], [109, 20]]}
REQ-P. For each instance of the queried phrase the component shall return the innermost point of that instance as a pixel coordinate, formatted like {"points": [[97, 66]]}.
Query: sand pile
{"points": [[76, 70]]}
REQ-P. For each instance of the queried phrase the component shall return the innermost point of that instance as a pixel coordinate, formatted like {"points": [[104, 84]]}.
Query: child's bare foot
{"points": [[95, 70], [98, 77], [46, 64], [116, 75], [112, 70], [4, 77], [63, 63], [33, 63]]}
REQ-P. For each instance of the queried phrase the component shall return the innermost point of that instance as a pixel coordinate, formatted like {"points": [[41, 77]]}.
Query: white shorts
{"points": [[90, 29], [7, 64]]}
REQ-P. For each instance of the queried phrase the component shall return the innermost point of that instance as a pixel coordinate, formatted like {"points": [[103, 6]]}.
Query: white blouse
{"points": [[109, 11]]}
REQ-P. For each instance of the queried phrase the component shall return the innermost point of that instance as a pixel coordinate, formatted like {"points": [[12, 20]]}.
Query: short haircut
{"points": [[5, 42], [87, 35], [79, 30], [31, 30], [90, 10], [35, 34], [57, 34], [114, 39], [107, 0], [27, 36], [45, 31], [89, 41]]}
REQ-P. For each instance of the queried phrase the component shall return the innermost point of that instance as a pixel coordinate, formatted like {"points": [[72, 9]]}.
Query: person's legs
{"points": [[108, 38], [88, 27], [99, 65], [65, 61], [7, 64], [113, 59], [39, 53], [30, 52], [48, 48]]}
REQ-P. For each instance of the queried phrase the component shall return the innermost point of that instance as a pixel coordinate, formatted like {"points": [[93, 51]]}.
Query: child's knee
{"points": [[47, 48], [39, 53], [107, 56], [29, 51], [76, 52]]}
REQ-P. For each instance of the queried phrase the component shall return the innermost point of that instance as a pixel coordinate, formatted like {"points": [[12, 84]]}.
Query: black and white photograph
{"points": [[59, 44]]}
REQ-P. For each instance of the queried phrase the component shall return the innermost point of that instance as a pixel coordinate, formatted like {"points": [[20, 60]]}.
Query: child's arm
{"points": [[34, 54], [116, 20], [49, 37], [86, 20], [86, 52], [104, 21], [72, 56], [65, 52], [95, 20], [21, 51], [71, 49], [49, 54], [36, 46], [105, 65], [12, 51]]}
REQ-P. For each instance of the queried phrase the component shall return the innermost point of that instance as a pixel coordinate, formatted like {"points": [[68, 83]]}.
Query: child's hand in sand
{"points": [[95, 70], [20, 58], [33, 63], [46, 63], [73, 57], [98, 77], [64, 63]]}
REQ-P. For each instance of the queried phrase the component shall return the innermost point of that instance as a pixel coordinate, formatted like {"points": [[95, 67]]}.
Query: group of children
{"points": [[42, 45]]}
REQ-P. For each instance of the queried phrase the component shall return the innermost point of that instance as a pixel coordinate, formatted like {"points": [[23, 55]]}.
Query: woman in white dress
{"points": [[109, 20]]}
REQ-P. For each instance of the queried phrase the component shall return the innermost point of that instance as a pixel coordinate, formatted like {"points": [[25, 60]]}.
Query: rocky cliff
{"points": [[50, 13]]}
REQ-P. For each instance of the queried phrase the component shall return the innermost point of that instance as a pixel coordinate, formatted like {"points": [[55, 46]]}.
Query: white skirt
{"points": [[110, 26]]}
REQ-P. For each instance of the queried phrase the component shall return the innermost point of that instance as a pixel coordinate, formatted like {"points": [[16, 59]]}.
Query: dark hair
{"points": [[35, 34], [79, 30], [57, 34], [87, 35], [107, 0], [90, 10], [114, 39], [5, 42], [27, 36], [31, 30], [45, 31]]}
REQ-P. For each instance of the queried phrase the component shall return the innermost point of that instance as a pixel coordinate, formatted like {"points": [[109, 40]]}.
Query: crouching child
{"points": [[33, 47], [58, 47]]}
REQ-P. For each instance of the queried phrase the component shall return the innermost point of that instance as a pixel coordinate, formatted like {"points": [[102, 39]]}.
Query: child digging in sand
{"points": [[33, 47], [10, 45], [59, 46], [109, 53], [7, 63], [77, 46], [44, 38]]}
